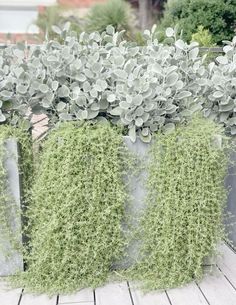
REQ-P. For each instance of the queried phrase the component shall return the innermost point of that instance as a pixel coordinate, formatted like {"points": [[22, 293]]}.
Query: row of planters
{"points": [[130, 177]]}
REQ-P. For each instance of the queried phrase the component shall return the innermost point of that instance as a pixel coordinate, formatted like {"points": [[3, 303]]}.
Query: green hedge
{"points": [[218, 16]]}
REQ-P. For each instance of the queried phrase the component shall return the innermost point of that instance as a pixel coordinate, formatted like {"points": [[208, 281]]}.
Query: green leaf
{"points": [[183, 94], [137, 100], [132, 134], [222, 60], [119, 60], [63, 91], [44, 88], [124, 105], [2, 116], [180, 44], [22, 89], [172, 78], [193, 53], [86, 87], [94, 93], [84, 114], [168, 128], [110, 30], [170, 32], [121, 73], [111, 98], [92, 114], [6, 93], [116, 111], [55, 85], [232, 121], [218, 94], [56, 29], [139, 122], [65, 116], [61, 106]]}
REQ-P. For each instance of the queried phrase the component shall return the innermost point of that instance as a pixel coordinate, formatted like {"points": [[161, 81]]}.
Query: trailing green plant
{"points": [[183, 220], [8, 206], [78, 201], [113, 12], [217, 16]]}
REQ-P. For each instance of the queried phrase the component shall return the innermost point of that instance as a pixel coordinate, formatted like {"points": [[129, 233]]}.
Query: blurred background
{"points": [[206, 21]]}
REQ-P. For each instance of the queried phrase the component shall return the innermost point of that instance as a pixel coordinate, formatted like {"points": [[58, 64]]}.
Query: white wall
{"points": [[18, 16], [27, 2], [18, 21]]}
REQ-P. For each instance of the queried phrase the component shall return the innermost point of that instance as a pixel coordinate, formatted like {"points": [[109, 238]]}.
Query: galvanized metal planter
{"points": [[138, 193], [230, 184], [11, 260]]}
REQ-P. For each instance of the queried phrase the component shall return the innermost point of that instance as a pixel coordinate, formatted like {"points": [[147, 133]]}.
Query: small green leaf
{"points": [[168, 128], [61, 106], [170, 32], [111, 98], [116, 111], [44, 88], [132, 134]]}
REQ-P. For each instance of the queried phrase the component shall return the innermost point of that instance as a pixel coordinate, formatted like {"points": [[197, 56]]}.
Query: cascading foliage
{"points": [[77, 206], [182, 223]]}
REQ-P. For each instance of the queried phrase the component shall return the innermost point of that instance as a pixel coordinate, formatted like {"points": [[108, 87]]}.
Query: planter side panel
{"points": [[137, 194], [11, 260], [230, 183]]}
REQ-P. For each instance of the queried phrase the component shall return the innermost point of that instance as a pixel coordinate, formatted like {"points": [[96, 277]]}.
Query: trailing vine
{"points": [[78, 202], [7, 203], [182, 223]]}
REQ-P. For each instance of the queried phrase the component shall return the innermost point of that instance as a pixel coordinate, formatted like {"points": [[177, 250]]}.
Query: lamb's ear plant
{"points": [[220, 92], [96, 76], [182, 224], [78, 201]]}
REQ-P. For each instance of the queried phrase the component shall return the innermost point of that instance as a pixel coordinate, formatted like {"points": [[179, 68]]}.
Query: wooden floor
{"points": [[216, 289]]}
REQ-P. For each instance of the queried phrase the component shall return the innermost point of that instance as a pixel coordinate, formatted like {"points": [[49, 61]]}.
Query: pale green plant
{"points": [[78, 203], [182, 224], [220, 92], [102, 76]]}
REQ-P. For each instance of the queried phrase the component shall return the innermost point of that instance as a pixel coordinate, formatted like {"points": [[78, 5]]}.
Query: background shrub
{"points": [[113, 12], [55, 16], [203, 37], [182, 224], [217, 16], [78, 202]]}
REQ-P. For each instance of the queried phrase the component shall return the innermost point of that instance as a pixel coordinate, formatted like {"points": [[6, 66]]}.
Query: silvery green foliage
{"points": [[102, 76], [158, 86], [14, 83], [220, 97]]}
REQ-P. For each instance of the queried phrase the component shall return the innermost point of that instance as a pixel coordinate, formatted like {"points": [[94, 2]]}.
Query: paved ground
{"points": [[216, 289]]}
